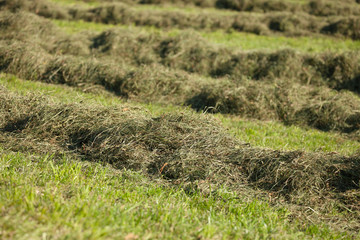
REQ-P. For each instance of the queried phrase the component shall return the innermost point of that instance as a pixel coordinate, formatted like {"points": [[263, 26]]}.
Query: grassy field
{"points": [[43, 197], [67, 198], [179, 120]]}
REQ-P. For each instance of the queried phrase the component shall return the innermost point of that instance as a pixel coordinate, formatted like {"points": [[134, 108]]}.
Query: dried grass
{"points": [[286, 22], [187, 147]]}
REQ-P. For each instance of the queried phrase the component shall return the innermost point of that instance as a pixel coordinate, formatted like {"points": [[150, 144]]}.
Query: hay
{"points": [[287, 23], [347, 26], [126, 45], [32, 29], [193, 147], [316, 8], [118, 52], [40, 7], [325, 8], [186, 51], [311, 106], [190, 52]]}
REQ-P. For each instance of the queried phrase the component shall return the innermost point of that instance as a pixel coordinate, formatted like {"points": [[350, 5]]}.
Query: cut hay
{"points": [[181, 147], [281, 99], [190, 52], [287, 23]]}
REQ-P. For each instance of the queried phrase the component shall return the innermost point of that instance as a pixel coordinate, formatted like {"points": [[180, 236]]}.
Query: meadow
{"points": [[181, 119]]}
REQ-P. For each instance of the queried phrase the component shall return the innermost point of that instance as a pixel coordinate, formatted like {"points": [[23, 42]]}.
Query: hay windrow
{"points": [[187, 147], [287, 23], [317, 8], [189, 52]]}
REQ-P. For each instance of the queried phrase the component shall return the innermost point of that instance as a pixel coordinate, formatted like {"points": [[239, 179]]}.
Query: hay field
{"points": [[181, 119]]}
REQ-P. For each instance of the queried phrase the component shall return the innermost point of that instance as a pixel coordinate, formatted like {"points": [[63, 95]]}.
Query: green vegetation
{"points": [[206, 119], [64, 199], [248, 41], [87, 3], [277, 136], [79, 26]]}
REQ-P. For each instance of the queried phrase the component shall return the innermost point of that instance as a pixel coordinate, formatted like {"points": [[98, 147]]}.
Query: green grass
{"points": [[261, 134], [47, 197], [234, 40], [188, 9], [44, 198], [248, 41], [78, 26], [275, 135], [89, 3]]}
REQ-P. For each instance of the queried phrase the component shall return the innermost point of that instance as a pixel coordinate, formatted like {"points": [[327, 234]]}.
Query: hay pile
{"points": [[34, 30], [180, 147]]}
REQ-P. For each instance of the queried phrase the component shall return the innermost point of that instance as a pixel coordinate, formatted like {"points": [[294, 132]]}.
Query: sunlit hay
{"points": [[181, 147], [287, 101], [32, 29], [346, 26], [40, 7], [133, 47]]}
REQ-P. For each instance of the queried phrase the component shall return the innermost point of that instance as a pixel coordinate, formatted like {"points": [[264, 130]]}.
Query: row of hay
{"points": [[287, 23], [180, 147], [187, 51], [317, 8], [281, 99]]}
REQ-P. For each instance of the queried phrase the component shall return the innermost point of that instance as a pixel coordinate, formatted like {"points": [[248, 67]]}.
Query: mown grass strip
{"points": [[248, 41], [266, 134], [274, 135], [78, 26], [64, 199]]}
